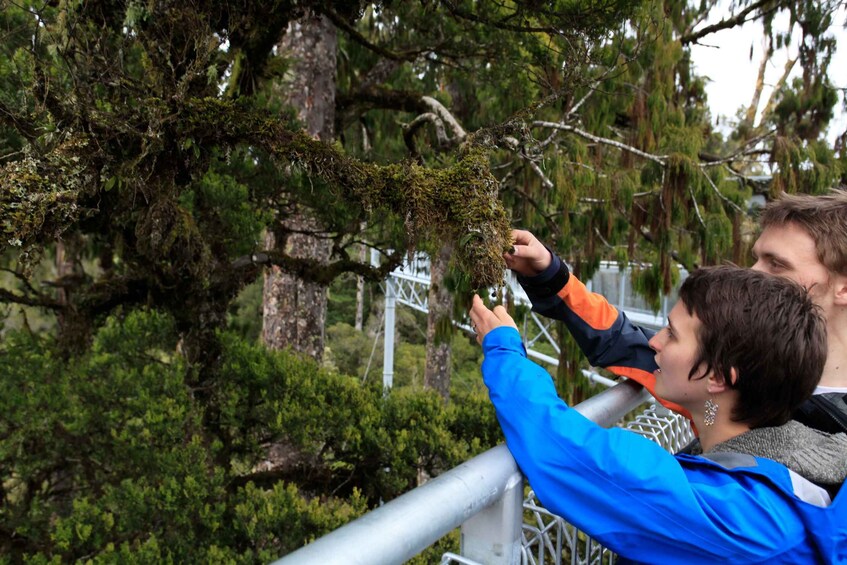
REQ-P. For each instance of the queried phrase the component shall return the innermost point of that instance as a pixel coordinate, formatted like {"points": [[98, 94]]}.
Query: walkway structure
{"points": [[409, 285], [500, 523]]}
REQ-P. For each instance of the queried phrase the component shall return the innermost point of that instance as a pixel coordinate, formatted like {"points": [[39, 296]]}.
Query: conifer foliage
{"points": [[145, 150]]}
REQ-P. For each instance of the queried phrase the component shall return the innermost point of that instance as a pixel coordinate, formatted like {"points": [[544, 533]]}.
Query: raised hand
{"points": [[529, 257], [484, 320]]}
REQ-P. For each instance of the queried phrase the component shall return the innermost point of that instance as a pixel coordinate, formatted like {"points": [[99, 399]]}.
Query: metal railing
{"points": [[549, 539], [484, 496]]}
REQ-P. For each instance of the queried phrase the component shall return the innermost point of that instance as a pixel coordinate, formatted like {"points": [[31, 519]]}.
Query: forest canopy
{"points": [[152, 152]]}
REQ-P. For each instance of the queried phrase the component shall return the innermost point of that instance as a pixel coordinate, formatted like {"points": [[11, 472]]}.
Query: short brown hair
{"points": [[765, 327], [824, 217]]}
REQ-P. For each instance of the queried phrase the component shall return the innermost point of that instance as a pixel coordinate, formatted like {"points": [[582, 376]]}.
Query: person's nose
{"points": [[758, 266], [655, 342]]}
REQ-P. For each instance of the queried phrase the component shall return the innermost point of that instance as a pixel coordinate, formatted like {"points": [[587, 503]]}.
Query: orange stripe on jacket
{"points": [[648, 381], [596, 311], [592, 308]]}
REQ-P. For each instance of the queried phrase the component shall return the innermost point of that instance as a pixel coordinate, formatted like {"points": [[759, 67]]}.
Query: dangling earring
{"points": [[711, 412]]}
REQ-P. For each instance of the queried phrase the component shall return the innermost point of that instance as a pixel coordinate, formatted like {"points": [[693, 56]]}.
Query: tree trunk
{"points": [[73, 326], [294, 312], [439, 326], [360, 291]]}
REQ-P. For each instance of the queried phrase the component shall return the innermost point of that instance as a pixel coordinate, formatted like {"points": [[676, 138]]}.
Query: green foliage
{"points": [[466, 356], [281, 519], [146, 430], [225, 207], [647, 281], [114, 457], [245, 312], [348, 350], [341, 300]]}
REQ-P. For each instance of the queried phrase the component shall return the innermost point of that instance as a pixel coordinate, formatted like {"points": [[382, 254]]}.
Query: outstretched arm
{"points": [[606, 336], [621, 488]]}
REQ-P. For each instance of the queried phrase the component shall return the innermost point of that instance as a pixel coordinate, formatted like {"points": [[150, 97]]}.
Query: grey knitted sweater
{"points": [[817, 456]]}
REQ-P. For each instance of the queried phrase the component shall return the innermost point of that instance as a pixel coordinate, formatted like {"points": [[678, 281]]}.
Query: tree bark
{"points": [[753, 109], [74, 327], [294, 311], [360, 291], [439, 326]]}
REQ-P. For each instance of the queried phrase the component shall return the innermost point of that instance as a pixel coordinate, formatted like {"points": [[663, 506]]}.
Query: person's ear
{"points": [[716, 384], [840, 289]]}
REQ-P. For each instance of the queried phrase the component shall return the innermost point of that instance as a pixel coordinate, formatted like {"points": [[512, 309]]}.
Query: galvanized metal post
{"points": [[493, 536], [621, 286], [388, 349]]}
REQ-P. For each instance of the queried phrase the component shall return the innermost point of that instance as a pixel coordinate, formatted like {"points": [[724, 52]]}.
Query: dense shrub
{"points": [[114, 457]]}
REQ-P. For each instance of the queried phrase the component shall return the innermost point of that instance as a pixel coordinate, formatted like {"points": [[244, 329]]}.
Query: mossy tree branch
{"points": [[451, 202]]}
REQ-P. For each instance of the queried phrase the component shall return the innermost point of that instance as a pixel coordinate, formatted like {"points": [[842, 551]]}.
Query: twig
{"points": [[660, 159], [741, 152], [339, 22], [720, 194], [544, 180], [696, 207], [738, 19]]}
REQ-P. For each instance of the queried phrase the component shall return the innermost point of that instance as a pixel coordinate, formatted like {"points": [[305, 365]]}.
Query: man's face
{"points": [[676, 347], [789, 251]]}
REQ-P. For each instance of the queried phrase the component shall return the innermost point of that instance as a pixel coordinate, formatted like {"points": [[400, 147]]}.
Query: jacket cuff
{"points": [[550, 281]]}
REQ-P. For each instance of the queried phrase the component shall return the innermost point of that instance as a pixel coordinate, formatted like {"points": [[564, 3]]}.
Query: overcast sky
{"points": [[725, 59]]}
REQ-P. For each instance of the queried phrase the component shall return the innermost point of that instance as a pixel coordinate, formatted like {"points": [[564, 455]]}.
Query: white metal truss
{"points": [[409, 285]]}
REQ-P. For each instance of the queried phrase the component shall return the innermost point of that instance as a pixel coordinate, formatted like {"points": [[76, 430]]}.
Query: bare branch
{"points": [[759, 183], [711, 161], [660, 159], [22, 278], [696, 207], [312, 270], [458, 132], [439, 116], [341, 23], [603, 239], [789, 65], [349, 106], [40, 301], [720, 194], [544, 180], [410, 129], [738, 19], [750, 116], [592, 89]]}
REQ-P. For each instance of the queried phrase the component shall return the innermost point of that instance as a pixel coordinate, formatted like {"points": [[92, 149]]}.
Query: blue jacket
{"points": [[643, 503]]}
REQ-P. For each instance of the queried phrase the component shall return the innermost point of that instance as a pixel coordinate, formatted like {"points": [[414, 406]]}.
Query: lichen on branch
{"points": [[457, 203]]}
